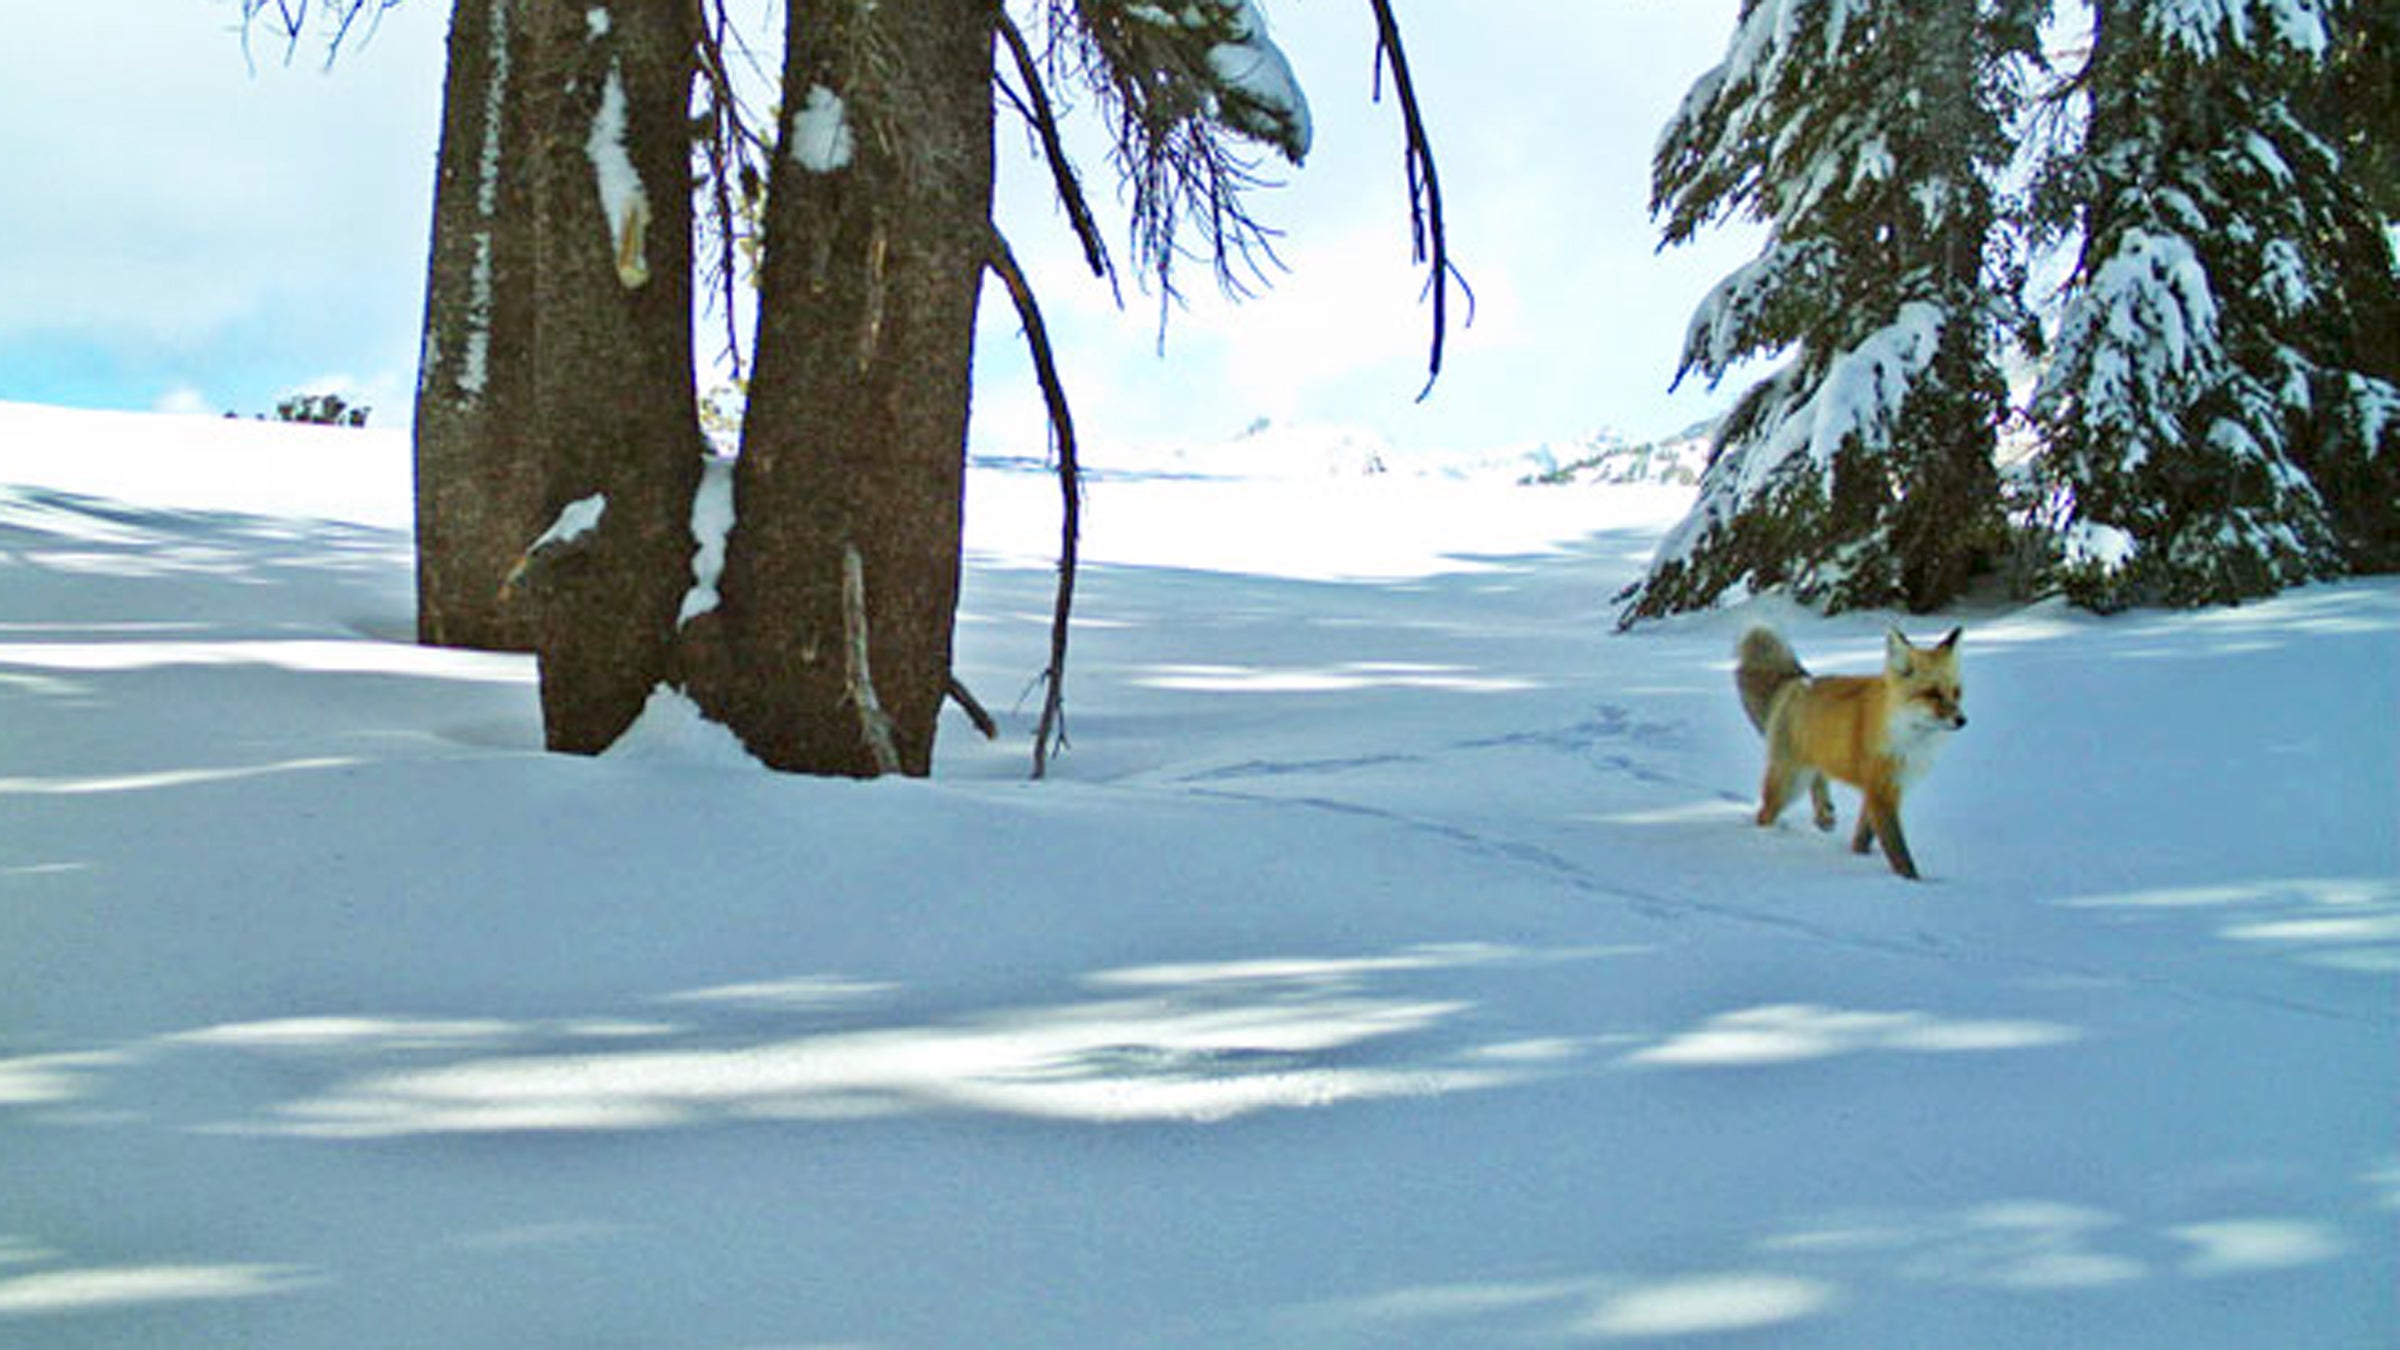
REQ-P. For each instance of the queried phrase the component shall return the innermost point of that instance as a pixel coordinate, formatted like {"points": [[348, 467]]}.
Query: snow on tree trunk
{"points": [[478, 485], [853, 455], [616, 418]]}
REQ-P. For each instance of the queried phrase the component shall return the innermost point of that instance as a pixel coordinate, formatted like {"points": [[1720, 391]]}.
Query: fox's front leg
{"points": [[1820, 797], [1881, 820]]}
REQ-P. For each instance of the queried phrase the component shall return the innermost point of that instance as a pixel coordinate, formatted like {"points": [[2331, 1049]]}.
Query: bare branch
{"points": [[289, 17], [1432, 240], [734, 150], [1003, 264], [1038, 111]]}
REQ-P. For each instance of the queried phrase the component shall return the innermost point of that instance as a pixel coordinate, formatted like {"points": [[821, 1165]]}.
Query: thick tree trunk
{"points": [[854, 447], [479, 488], [610, 97]]}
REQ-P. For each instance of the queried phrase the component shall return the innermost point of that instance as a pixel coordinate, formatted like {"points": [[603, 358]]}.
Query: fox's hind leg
{"points": [[1821, 799], [1775, 793]]}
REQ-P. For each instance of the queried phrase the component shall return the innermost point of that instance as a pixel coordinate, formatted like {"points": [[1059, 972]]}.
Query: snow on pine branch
{"points": [[1254, 90], [1753, 136], [1258, 93], [1185, 83], [1741, 316], [2145, 325], [2199, 27], [1859, 398], [1790, 430]]}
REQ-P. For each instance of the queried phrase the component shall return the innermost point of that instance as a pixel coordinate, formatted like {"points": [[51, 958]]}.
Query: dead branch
{"points": [[874, 724], [1052, 727], [1042, 115], [734, 150], [1432, 240], [289, 17], [973, 708]]}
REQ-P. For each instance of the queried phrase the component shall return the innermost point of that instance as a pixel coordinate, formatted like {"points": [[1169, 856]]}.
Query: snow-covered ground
{"points": [[1390, 961]]}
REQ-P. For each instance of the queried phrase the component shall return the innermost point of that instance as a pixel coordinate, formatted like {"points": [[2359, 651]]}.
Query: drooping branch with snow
{"points": [[1185, 84]]}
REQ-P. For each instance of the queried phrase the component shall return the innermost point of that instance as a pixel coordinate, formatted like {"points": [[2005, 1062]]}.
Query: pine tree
{"points": [[2215, 429], [2354, 450], [1868, 135], [810, 607]]}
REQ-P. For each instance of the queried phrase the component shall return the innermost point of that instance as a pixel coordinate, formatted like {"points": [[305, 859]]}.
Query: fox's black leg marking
{"points": [[1885, 815]]}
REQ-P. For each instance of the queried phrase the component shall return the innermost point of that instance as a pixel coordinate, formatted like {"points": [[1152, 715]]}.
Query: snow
{"points": [[575, 520], [2199, 26], [2146, 326], [1267, 100], [712, 524], [1865, 387], [624, 203], [1860, 396], [475, 376], [671, 733], [1388, 962], [2090, 543], [821, 138]]}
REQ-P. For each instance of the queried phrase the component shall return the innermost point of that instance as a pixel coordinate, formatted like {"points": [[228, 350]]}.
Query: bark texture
{"points": [[877, 233], [610, 92], [478, 486]]}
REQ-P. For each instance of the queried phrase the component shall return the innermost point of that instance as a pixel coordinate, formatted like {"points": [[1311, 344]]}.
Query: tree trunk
{"points": [[617, 425], [479, 489], [854, 447]]}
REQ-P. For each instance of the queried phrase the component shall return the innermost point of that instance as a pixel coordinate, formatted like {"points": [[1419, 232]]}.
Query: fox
{"points": [[1878, 733]]}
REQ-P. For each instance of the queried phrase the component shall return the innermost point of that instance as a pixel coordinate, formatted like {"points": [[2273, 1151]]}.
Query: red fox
{"points": [[1874, 732]]}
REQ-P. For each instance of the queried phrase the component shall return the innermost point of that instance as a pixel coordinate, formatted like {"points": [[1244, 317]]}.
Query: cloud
{"points": [[170, 196], [184, 400], [197, 223]]}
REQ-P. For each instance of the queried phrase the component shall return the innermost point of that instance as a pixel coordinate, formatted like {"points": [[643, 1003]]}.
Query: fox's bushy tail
{"points": [[1766, 666]]}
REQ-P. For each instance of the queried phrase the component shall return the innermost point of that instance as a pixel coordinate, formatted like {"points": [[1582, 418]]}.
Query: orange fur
{"points": [[1873, 732]]}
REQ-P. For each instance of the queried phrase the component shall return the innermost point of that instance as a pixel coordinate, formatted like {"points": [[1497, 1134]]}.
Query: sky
{"points": [[195, 229]]}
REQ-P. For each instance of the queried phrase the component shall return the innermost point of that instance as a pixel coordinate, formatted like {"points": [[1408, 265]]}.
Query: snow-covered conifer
{"points": [[1868, 135], [2216, 424]]}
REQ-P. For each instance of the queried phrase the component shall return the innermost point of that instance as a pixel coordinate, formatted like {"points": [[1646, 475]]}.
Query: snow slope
{"points": [[1390, 963]]}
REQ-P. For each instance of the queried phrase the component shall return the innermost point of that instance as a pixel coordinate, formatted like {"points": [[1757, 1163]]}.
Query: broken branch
{"points": [[874, 724]]}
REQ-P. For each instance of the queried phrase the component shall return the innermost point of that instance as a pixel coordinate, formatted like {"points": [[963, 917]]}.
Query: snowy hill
{"points": [[1391, 961], [1609, 459]]}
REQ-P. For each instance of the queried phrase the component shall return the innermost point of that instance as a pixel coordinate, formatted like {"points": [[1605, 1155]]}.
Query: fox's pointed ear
{"points": [[1950, 642], [1897, 652]]}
